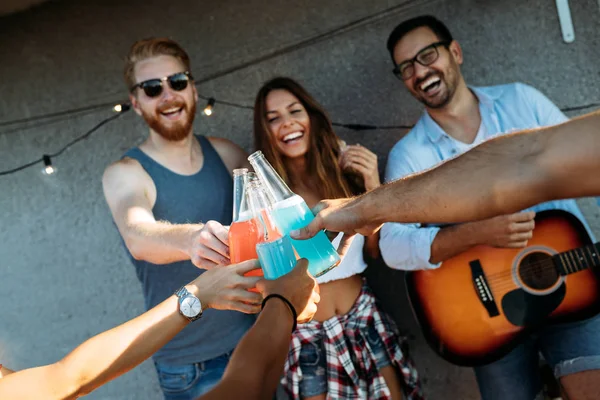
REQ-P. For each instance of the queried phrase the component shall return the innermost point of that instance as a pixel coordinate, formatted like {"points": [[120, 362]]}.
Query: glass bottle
{"points": [[275, 252], [243, 232], [291, 212]]}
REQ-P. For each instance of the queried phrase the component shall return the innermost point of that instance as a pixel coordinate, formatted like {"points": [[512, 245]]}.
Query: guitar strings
{"points": [[547, 263], [503, 284], [539, 266], [499, 281]]}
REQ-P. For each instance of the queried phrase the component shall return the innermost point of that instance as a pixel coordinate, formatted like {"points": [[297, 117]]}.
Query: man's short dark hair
{"points": [[407, 26]]}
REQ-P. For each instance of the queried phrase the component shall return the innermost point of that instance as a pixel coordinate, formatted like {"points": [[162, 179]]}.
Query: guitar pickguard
{"points": [[525, 309]]}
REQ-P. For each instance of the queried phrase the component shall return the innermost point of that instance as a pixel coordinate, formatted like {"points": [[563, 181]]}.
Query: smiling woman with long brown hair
{"points": [[296, 136]]}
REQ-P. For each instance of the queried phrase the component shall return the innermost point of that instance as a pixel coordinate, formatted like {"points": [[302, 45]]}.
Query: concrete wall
{"points": [[63, 273]]}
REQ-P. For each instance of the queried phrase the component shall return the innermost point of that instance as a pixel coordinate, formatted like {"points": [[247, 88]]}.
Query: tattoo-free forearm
{"points": [[114, 352], [452, 240], [257, 362], [99, 359], [500, 176], [160, 242]]}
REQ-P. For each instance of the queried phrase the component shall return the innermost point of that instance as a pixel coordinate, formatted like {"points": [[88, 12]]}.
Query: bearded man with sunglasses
{"points": [[458, 117], [170, 198]]}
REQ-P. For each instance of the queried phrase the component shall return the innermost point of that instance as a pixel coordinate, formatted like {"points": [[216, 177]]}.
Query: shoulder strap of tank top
{"points": [[144, 159], [134, 152], [210, 154]]}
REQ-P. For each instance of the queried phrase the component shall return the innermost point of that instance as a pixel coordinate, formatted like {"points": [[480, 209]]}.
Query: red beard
{"points": [[176, 131]]}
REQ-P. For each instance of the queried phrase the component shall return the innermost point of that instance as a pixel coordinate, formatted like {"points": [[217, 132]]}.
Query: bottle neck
{"points": [[277, 190], [240, 180]]}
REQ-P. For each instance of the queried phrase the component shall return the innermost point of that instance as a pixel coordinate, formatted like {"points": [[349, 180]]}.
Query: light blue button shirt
{"points": [[503, 109]]}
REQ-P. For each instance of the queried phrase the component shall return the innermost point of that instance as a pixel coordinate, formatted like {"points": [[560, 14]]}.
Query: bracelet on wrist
{"points": [[286, 301]]}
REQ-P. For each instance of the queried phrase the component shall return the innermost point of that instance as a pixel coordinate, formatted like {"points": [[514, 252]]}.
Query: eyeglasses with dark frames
{"points": [[154, 87], [426, 56]]}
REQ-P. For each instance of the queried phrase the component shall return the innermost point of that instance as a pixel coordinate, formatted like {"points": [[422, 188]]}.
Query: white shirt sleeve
{"points": [[405, 246]]}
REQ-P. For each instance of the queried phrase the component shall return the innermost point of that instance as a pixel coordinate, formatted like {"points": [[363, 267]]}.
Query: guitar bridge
{"points": [[482, 288]]}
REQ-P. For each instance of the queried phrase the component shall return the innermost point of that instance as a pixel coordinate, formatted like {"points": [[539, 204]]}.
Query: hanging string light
{"points": [[119, 108], [49, 169], [208, 110]]}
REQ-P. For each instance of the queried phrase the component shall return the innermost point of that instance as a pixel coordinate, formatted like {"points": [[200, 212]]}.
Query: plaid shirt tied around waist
{"points": [[351, 369]]}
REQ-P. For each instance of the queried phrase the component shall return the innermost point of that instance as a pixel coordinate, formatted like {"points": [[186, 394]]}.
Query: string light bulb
{"points": [[120, 108], [49, 169], [208, 110]]}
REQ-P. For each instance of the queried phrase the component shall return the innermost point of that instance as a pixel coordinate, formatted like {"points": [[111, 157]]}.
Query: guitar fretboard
{"points": [[579, 259]]}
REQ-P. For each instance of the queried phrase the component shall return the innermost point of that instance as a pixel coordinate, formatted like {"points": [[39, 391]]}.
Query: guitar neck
{"points": [[577, 260]]}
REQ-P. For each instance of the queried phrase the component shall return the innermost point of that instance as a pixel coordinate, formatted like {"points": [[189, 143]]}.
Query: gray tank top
{"points": [[206, 195]]}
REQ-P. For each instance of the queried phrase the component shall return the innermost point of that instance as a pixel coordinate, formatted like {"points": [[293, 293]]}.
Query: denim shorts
{"points": [[188, 382], [313, 363], [567, 348]]}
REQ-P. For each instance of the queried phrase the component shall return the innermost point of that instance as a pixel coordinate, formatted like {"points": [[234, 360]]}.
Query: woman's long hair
{"points": [[324, 149]]}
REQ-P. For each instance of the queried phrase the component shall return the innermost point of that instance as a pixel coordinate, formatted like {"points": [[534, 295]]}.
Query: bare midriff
{"points": [[338, 297]]}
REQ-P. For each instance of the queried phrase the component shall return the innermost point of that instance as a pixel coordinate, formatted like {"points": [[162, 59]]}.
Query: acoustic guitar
{"points": [[477, 306]]}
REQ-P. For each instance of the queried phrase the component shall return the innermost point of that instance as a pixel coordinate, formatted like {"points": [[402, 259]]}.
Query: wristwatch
{"points": [[189, 305]]}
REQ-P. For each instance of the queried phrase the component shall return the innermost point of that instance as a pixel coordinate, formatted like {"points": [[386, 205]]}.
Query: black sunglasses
{"points": [[154, 87], [426, 56]]}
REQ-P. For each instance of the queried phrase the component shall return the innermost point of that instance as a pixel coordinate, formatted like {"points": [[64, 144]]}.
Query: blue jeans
{"points": [[567, 348], [188, 382]]}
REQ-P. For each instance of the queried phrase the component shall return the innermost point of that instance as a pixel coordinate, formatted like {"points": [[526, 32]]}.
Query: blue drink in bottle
{"points": [[276, 258], [291, 212], [275, 252]]}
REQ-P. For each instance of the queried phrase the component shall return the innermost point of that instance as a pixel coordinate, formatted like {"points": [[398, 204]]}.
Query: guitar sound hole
{"points": [[537, 271]]}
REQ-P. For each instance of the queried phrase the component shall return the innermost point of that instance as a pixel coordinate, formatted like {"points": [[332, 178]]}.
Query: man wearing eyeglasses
{"points": [[170, 198], [457, 117]]}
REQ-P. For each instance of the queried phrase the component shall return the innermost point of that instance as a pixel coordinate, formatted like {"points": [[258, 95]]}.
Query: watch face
{"points": [[190, 307]]}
